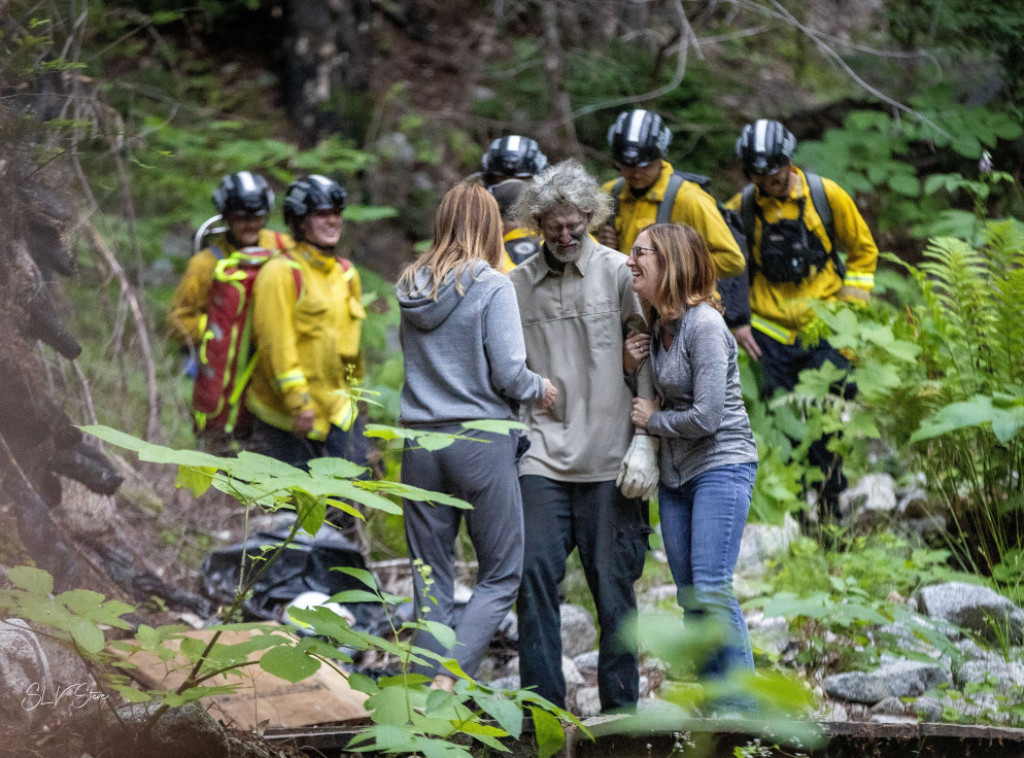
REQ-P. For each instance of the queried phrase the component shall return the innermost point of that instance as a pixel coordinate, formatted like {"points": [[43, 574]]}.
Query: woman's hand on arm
{"points": [[550, 395], [635, 351], [642, 410]]}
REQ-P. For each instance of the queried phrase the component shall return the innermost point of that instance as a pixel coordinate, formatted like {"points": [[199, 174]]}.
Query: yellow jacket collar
{"points": [[315, 256], [656, 192]]}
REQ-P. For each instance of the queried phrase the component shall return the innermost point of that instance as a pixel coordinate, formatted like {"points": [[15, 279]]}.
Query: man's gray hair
{"points": [[565, 183]]}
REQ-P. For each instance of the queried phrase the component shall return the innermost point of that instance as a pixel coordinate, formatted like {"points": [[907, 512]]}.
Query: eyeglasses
{"points": [[637, 251], [630, 166], [768, 171]]}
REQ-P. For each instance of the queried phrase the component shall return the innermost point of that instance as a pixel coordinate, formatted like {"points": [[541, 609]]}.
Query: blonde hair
{"points": [[688, 273], [467, 228]]}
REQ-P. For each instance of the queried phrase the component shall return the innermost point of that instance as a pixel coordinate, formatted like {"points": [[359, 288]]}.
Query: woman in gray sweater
{"points": [[708, 454], [464, 361]]}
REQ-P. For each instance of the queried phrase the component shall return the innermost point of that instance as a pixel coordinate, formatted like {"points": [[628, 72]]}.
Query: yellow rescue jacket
{"points": [[693, 207], [512, 236], [782, 310], [308, 344], [186, 319]]}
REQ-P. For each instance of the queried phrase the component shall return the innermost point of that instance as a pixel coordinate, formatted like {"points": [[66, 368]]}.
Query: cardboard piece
{"points": [[261, 700]]}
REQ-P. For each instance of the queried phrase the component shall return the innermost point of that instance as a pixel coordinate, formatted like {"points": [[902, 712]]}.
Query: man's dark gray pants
{"points": [[482, 472], [610, 531]]}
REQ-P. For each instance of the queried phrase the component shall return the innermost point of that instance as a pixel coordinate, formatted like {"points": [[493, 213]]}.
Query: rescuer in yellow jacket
{"points": [[244, 200], [792, 264], [520, 243], [638, 140], [308, 341]]}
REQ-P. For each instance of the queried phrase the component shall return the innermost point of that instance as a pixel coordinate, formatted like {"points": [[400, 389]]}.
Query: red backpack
{"points": [[226, 358]]}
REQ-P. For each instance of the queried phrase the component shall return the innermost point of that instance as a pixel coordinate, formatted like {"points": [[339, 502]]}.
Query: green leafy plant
{"points": [[401, 725], [971, 392]]}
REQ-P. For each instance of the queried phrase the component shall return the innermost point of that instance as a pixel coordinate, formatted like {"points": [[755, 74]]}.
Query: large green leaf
{"points": [[390, 705], [550, 735], [31, 579], [335, 467], [86, 634], [508, 715], [494, 425], [416, 493], [289, 663], [975, 412]]}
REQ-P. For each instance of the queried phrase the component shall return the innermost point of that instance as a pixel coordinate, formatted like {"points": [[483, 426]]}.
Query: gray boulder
{"points": [[586, 664], [869, 501], [975, 608], [663, 594], [588, 702], [579, 632], [186, 732], [764, 542], [41, 679], [899, 678], [1008, 676]]}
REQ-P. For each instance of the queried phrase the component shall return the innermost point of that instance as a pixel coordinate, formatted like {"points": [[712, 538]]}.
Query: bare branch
{"points": [[820, 40], [687, 36], [129, 296]]}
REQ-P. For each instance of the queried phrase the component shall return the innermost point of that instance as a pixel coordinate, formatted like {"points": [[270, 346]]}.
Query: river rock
{"points": [[900, 678], [579, 633], [764, 542], [1008, 675], [586, 664], [869, 501], [41, 679], [588, 702], [975, 608]]}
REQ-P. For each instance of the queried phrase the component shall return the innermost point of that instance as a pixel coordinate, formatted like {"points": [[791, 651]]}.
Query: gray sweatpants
{"points": [[481, 471]]}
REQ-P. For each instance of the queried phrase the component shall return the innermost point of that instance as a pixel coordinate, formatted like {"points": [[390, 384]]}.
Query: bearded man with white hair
{"points": [[587, 472]]}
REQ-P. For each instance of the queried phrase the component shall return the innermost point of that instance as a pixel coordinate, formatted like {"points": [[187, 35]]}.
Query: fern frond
{"points": [[1005, 247], [962, 308]]}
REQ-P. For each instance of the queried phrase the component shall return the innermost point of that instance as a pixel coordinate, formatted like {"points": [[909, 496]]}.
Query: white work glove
{"points": [[638, 476]]}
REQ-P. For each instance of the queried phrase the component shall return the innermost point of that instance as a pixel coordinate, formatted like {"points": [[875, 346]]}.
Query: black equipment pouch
{"points": [[790, 253]]}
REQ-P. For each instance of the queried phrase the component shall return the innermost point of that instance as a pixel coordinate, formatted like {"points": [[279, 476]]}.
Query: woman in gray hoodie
{"points": [[464, 361]]}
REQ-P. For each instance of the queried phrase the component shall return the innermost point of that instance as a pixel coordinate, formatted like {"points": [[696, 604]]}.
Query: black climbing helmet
{"points": [[513, 156], [638, 138], [313, 193], [244, 193], [765, 146]]}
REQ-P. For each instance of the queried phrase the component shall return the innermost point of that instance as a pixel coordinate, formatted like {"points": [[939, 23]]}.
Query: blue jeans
{"points": [[702, 525]]}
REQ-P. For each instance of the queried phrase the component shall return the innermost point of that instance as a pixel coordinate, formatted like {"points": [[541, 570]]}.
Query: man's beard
{"points": [[568, 256]]}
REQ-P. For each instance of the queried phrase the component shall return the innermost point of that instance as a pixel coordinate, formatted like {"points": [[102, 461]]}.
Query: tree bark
{"points": [[328, 51]]}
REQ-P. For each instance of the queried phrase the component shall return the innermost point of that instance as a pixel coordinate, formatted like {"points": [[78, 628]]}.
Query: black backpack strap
{"points": [[702, 181], [616, 191], [668, 202], [816, 189], [747, 206]]}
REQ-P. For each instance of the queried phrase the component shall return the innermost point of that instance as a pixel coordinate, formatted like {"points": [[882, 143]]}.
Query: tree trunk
{"points": [[328, 51], [562, 134]]}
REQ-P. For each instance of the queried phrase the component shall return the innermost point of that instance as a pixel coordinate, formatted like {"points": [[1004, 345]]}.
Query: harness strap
{"points": [[668, 202]]}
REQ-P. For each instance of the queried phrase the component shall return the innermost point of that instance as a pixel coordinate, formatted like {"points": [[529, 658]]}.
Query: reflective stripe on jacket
{"points": [[781, 310], [306, 345], [186, 318]]}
